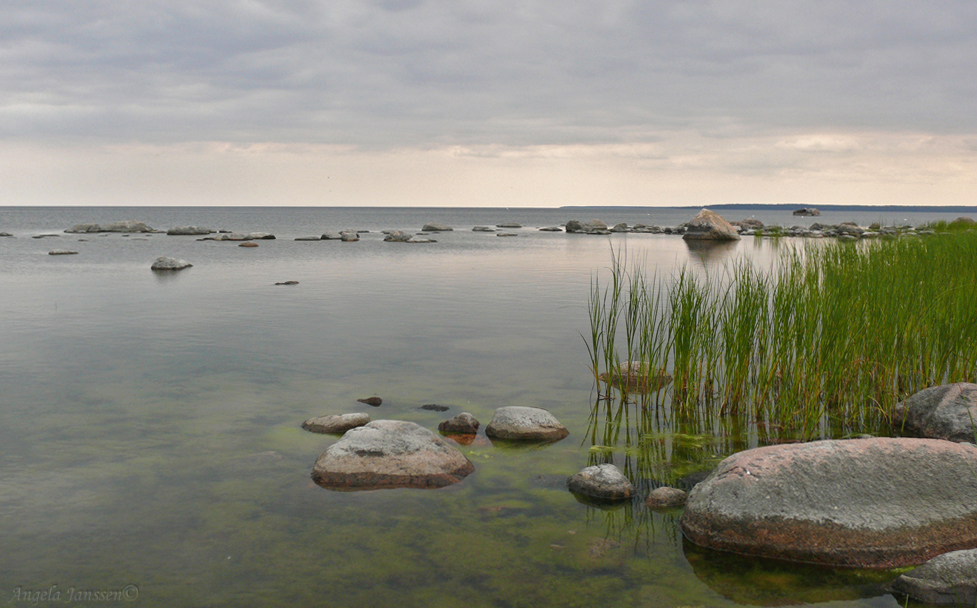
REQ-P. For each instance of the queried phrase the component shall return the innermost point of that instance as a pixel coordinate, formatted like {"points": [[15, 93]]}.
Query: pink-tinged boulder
{"points": [[710, 226], [939, 412], [866, 503], [390, 454]]}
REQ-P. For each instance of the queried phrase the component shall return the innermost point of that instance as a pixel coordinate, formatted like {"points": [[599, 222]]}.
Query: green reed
{"points": [[830, 332]]}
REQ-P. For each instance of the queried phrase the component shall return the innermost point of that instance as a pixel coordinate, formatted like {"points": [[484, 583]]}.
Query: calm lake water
{"points": [[150, 438]]}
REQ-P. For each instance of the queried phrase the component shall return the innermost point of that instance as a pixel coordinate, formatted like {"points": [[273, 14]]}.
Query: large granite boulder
{"points": [[939, 412], [950, 578], [390, 454], [525, 424], [710, 226], [337, 424], [165, 263], [601, 482], [868, 503]]}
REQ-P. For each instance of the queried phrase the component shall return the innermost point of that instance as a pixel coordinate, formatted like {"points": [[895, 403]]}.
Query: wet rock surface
{"points": [[336, 423], [710, 226], [939, 412], [869, 503], [950, 578], [520, 423], [601, 482], [666, 498], [390, 454], [462, 424], [165, 263]]}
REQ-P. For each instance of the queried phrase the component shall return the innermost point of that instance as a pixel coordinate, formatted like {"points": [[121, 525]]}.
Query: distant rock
{"points": [[601, 482], [390, 454], [591, 227], [551, 229], [505, 234], [3, 234], [807, 211], [436, 228], [372, 401], [462, 424], [189, 230], [483, 229], [666, 498], [288, 283], [349, 236], [864, 503], [248, 244], [46, 236], [164, 263], [336, 424], [509, 225], [434, 407], [950, 578], [710, 226], [622, 227], [748, 224], [127, 226], [397, 236], [939, 412], [309, 238], [420, 239], [62, 252], [525, 424], [237, 236], [331, 236]]}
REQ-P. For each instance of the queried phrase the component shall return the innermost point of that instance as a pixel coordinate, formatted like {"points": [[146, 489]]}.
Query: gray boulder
{"points": [[336, 424], [551, 229], [349, 236], [866, 503], [397, 236], [390, 454], [525, 424], [189, 230], [127, 226], [666, 498], [483, 229], [807, 211], [591, 227], [331, 236], [939, 412], [710, 226], [462, 424], [622, 227], [508, 225], [165, 263], [436, 228], [950, 578], [2, 234], [602, 482]]}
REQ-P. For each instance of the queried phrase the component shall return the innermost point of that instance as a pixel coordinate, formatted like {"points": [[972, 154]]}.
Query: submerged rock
{"points": [[865, 503], [287, 283], [436, 228], [939, 412], [666, 498], [127, 226], [710, 226], [950, 578], [602, 482], [807, 211], [309, 238], [62, 252], [248, 244], [551, 229], [336, 424], [483, 229], [462, 424], [165, 263], [637, 377], [434, 407], [373, 401], [525, 424], [390, 454]]}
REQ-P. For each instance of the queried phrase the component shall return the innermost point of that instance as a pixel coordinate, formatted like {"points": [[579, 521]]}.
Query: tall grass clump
{"points": [[836, 332]]}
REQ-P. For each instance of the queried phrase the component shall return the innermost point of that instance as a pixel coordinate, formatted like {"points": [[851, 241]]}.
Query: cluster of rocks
{"points": [[126, 226], [398, 454], [600, 228], [240, 236]]}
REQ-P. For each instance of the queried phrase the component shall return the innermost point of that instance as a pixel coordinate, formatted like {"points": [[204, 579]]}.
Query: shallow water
{"points": [[149, 424]]}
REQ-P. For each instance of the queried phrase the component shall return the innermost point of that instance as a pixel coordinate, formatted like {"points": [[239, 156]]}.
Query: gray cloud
{"points": [[426, 72]]}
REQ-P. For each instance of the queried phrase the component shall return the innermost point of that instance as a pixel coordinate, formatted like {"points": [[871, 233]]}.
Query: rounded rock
{"points": [[666, 498], [165, 263], [602, 482], [462, 424], [525, 424], [336, 424]]}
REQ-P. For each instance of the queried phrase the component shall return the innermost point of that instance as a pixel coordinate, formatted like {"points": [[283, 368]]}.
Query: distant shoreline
{"points": [[786, 207]]}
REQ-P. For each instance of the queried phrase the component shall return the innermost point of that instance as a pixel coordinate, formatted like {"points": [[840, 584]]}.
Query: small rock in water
{"points": [[336, 424], [288, 283], [483, 229], [435, 227], [939, 412], [520, 423], [666, 498], [507, 234], [248, 244], [308, 238], [45, 236], [509, 225], [433, 407], [165, 263], [462, 424], [950, 578], [2, 234], [374, 401], [602, 481], [61, 252]]}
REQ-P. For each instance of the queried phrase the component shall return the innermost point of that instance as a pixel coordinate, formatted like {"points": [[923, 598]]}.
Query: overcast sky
{"points": [[487, 102]]}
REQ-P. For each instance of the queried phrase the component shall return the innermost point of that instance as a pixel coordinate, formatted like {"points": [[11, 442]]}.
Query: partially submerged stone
{"points": [[336, 424], [462, 424], [666, 497], [867, 503], [165, 263], [525, 424], [637, 377], [390, 454], [710, 226], [950, 578], [939, 412], [189, 231], [436, 227], [62, 252], [127, 226], [601, 482]]}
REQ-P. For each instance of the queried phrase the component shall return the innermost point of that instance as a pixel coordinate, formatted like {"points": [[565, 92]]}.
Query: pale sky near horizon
{"points": [[487, 103]]}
